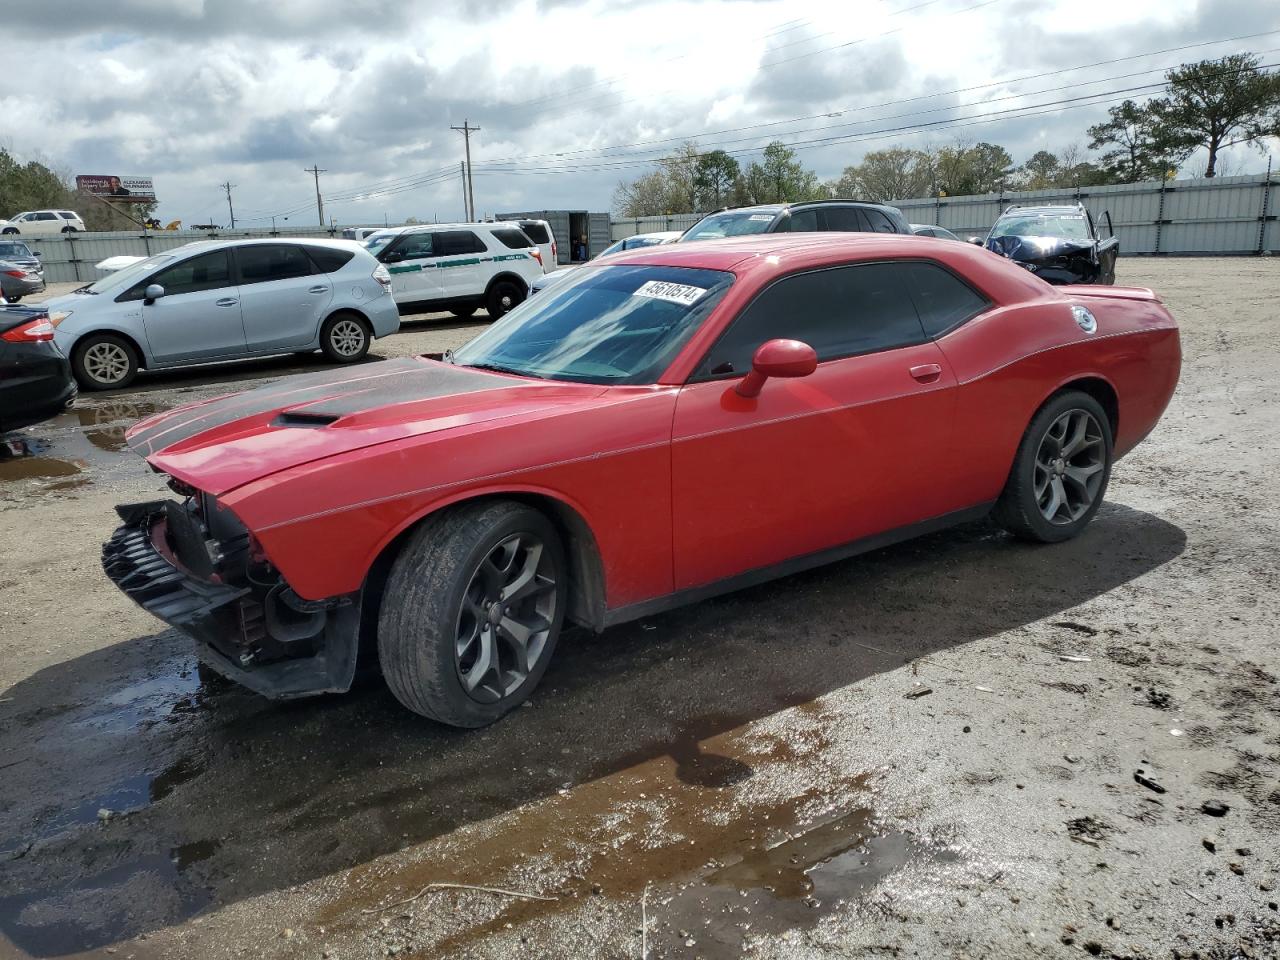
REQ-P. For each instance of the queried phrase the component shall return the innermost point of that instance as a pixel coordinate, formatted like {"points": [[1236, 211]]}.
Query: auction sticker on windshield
{"points": [[671, 292]]}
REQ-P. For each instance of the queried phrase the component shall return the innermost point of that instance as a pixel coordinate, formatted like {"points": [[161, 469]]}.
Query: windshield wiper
{"points": [[499, 368]]}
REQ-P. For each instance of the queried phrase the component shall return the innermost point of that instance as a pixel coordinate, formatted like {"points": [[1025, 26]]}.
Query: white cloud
{"points": [[197, 93]]}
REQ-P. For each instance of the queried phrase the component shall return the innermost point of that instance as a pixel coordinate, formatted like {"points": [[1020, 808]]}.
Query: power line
{"points": [[315, 170]]}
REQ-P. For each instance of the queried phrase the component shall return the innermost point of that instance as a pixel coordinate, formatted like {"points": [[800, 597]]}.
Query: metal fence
{"points": [[1220, 215], [71, 256]]}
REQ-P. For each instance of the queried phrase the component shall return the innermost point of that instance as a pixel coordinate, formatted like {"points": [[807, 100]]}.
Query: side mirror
{"points": [[36, 253], [153, 293], [395, 256], [777, 358], [976, 241]]}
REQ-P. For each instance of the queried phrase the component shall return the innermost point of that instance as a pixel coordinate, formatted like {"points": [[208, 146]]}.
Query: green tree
{"points": [[778, 177], [30, 186], [713, 178], [1040, 171], [893, 174], [982, 168], [1139, 149], [1216, 104]]}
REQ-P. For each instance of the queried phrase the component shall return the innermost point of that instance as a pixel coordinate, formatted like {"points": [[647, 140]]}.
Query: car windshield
{"points": [[127, 277], [377, 241], [607, 325], [731, 223], [1068, 226]]}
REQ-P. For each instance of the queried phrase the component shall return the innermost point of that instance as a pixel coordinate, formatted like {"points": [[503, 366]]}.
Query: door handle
{"points": [[319, 289], [927, 372], [226, 302]]}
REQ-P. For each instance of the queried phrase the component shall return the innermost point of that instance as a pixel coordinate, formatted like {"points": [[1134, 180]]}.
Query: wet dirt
{"points": [[750, 769]]}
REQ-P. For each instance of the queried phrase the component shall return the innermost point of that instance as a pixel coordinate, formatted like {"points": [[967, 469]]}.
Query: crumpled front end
{"points": [[194, 565], [1052, 259]]}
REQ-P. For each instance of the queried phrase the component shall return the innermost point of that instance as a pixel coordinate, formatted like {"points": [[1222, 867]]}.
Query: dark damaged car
{"points": [[1059, 244]]}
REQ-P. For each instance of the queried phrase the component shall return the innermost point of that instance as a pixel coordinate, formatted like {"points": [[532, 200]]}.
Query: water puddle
{"points": [[69, 448], [145, 893]]}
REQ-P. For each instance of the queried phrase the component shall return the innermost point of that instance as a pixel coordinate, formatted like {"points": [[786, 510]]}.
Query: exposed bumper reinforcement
{"points": [[213, 613]]}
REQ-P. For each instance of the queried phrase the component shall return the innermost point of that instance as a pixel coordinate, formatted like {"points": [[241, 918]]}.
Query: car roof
{"points": [[769, 250], [224, 243]]}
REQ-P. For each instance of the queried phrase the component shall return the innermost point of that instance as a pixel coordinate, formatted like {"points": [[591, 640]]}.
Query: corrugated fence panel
{"points": [[70, 257], [1222, 215]]}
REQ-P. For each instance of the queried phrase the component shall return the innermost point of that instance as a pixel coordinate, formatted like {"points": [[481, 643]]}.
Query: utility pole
{"points": [[466, 207], [230, 209], [467, 130], [315, 171]]}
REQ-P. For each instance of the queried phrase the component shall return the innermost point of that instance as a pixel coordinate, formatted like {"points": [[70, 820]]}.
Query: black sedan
{"points": [[35, 378], [1059, 244], [21, 272]]}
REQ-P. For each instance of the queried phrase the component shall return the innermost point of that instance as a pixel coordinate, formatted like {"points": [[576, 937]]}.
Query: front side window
{"points": [[415, 246], [607, 325], [209, 271], [262, 263], [840, 312], [453, 242]]}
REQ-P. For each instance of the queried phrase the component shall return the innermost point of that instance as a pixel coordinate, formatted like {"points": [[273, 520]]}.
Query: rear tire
{"points": [[345, 338], [104, 361], [503, 296], [15, 298], [468, 586], [1060, 472], [464, 313], [70, 230]]}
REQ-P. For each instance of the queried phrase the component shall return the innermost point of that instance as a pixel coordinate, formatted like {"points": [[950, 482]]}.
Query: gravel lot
{"points": [[959, 746]]}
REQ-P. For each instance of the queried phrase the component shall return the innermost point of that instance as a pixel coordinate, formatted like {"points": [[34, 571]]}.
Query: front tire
{"points": [[1060, 472], [7, 231], [503, 297], [345, 338], [14, 298], [472, 611], [103, 361]]}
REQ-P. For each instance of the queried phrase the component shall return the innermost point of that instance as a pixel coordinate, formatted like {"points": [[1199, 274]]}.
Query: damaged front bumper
{"points": [[252, 629]]}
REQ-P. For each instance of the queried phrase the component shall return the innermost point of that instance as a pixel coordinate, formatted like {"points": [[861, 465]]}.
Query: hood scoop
{"points": [[303, 419]]}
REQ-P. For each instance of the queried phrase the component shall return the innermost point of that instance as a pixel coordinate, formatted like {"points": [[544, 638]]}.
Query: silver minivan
{"points": [[224, 300]]}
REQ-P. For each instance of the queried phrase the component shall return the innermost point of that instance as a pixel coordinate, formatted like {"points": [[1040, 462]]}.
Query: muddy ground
{"points": [[957, 747]]}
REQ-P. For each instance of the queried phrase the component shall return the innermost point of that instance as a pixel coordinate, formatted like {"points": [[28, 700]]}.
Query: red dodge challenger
{"points": [[667, 424]]}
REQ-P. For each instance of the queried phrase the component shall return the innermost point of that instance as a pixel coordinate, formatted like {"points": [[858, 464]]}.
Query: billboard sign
{"points": [[118, 189]]}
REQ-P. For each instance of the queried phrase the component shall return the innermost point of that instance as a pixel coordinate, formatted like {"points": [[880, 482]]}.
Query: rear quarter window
{"points": [[536, 232], [942, 299], [327, 260], [515, 239]]}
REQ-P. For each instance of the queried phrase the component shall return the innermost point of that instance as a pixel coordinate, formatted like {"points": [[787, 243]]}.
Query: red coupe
{"points": [[667, 424]]}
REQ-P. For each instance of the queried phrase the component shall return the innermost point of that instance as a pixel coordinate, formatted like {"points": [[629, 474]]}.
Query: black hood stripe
{"points": [[334, 394]]}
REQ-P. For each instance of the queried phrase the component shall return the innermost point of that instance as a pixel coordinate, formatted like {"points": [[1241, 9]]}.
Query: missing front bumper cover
{"points": [[222, 616]]}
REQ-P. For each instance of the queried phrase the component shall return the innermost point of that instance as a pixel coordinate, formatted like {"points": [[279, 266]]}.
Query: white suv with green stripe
{"points": [[459, 267]]}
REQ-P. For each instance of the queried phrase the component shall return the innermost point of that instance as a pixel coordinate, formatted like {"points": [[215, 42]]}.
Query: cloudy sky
{"points": [[571, 95]]}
